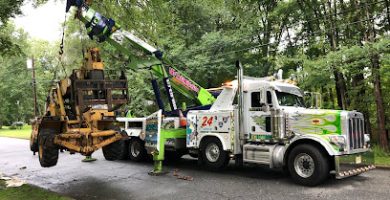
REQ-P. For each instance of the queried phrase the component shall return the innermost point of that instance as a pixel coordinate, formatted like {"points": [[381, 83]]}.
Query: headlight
{"points": [[338, 140], [366, 141]]}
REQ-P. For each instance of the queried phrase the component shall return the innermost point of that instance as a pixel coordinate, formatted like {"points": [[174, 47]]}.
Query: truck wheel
{"points": [[47, 150], [308, 165], [33, 143], [137, 151], [212, 154], [115, 150]]}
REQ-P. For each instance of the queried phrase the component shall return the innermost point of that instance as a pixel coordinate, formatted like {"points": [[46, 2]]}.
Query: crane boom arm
{"points": [[140, 53]]}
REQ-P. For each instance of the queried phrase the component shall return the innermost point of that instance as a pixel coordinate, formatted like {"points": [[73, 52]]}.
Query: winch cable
{"points": [[61, 52], [82, 41]]}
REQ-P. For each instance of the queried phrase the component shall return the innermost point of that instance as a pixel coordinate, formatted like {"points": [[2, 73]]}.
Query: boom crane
{"points": [[104, 29]]}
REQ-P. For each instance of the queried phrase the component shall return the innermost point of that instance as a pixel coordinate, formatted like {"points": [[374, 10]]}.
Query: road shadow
{"points": [[94, 189]]}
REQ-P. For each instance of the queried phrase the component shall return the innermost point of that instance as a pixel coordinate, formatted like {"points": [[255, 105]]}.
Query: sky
{"points": [[43, 22]]}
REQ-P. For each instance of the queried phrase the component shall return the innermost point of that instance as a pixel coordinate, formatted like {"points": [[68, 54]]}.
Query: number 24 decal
{"points": [[207, 121]]}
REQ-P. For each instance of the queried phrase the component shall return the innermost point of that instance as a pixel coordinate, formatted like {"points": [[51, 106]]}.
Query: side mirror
{"points": [[313, 99], [264, 107]]}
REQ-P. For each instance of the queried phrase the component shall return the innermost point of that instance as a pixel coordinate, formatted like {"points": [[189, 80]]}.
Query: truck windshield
{"points": [[288, 99]]}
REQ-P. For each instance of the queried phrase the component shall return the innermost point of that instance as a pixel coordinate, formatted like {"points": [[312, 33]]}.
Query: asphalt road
{"points": [[128, 180]]}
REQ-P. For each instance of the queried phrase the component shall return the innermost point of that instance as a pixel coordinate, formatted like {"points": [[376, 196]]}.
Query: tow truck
{"points": [[253, 120]]}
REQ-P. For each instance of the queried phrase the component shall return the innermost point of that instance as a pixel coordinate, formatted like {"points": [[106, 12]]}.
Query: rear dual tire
{"points": [[136, 149]]}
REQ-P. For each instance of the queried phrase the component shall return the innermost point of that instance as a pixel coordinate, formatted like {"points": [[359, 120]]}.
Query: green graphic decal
{"points": [[327, 122]]}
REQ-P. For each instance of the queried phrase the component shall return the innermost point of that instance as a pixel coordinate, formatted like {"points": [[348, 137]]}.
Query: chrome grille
{"points": [[356, 133]]}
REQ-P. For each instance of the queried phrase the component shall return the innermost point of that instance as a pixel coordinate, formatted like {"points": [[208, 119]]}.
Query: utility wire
{"points": [[362, 5], [284, 40]]}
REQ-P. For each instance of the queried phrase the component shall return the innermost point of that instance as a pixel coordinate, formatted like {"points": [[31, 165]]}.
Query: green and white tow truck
{"points": [[264, 121]]}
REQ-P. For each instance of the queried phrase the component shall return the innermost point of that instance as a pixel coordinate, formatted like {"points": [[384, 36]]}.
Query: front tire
{"points": [[308, 165], [212, 154], [47, 150]]}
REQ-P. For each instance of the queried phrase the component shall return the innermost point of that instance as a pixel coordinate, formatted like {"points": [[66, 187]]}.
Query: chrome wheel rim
{"points": [[304, 165], [212, 152], [135, 149]]}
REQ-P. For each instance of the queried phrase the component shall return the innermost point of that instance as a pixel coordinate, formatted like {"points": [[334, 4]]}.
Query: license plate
{"points": [[358, 159]]}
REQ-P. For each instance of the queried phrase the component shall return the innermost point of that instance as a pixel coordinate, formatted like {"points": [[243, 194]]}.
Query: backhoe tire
{"points": [[308, 165], [115, 150], [33, 143], [47, 150], [212, 154], [137, 151]]}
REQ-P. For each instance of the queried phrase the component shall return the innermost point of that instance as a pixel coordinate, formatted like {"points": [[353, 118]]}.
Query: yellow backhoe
{"points": [[80, 114]]}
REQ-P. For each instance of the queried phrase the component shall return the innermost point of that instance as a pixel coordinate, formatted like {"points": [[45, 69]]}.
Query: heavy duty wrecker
{"points": [[253, 120]]}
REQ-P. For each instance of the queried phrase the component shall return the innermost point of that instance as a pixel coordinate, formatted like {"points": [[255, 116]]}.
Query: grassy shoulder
{"points": [[23, 133], [381, 158], [28, 192]]}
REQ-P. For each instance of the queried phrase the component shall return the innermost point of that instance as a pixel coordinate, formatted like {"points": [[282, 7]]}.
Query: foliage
{"points": [[9, 9], [382, 158]]}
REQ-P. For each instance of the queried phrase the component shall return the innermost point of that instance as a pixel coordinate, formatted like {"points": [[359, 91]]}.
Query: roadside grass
{"points": [[23, 133], [381, 158], [28, 192]]}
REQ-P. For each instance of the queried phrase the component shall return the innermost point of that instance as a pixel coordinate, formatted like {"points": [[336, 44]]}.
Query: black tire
{"points": [[220, 160], [125, 153], [115, 150], [47, 150], [33, 143], [137, 151], [305, 173]]}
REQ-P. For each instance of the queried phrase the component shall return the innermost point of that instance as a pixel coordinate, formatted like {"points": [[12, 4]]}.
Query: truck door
{"points": [[259, 116]]}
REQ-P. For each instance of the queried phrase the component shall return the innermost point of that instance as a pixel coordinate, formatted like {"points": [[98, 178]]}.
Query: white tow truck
{"points": [[265, 121]]}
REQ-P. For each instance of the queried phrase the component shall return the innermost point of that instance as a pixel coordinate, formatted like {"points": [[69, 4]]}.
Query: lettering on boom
{"points": [[179, 79]]}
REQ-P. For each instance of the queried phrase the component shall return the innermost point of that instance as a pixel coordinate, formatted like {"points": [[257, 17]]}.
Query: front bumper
{"points": [[353, 164]]}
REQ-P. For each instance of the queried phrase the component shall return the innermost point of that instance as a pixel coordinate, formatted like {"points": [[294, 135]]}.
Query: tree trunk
{"points": [[341, 87], [383, 140], [375, 66], [360, 101]]}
